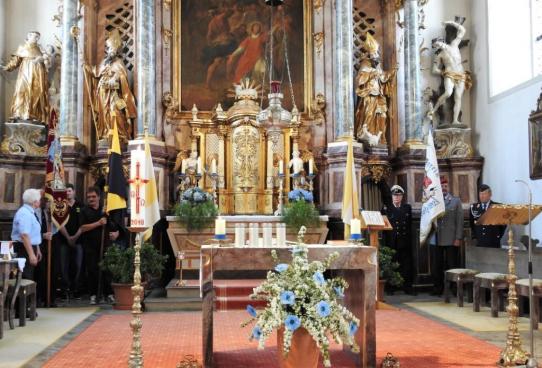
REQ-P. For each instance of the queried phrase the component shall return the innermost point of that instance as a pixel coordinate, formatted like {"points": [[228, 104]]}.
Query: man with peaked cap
{"points": [[449, 238], [485, 235], [399, 238]]}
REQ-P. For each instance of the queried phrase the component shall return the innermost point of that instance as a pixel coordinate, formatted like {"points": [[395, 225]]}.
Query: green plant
{"points": [[120, 263], [300, 213], [387, 267], [298, 295], [196, 210]]}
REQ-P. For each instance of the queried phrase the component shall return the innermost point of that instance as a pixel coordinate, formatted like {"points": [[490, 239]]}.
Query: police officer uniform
{"points": [[399, 238], [488, 236]]}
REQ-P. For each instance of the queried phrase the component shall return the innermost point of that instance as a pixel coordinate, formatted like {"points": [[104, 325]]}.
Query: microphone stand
{"points": [[531, 363]]}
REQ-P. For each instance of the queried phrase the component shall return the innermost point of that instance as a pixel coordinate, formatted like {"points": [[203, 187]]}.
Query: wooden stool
{"points": [[494, 282], [462, 277], [522, 287], [27, 290]]}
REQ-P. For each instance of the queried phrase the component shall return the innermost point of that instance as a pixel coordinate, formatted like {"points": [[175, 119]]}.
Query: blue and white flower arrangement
{"points": [[196, 209], [300, 195], [299, 296]]}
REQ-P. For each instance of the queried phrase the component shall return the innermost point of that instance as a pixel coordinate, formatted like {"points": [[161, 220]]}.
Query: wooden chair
{"points": [[495, 282], [462, 277], [522, 287], [26, 296]]}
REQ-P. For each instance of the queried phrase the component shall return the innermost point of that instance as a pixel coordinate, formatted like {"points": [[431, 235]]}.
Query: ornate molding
{"points": [[318, 109], [167, 5], [378, 172], [318, 5], [24, 138], [319, 38], [167, 34], [453, 143]]}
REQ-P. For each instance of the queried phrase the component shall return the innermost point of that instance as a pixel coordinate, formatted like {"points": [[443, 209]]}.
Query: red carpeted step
{"points": [[234, 294]]}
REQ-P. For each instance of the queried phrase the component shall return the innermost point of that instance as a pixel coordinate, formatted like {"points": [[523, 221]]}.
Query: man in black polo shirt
{"points": [[71, 250]]}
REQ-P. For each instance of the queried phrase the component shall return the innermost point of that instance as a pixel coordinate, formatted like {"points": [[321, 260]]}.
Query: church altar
{"points": [[357, 264], [190, 242]]}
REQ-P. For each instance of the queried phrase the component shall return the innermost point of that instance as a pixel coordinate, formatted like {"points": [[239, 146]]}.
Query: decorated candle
{"points": [[220, 228]]}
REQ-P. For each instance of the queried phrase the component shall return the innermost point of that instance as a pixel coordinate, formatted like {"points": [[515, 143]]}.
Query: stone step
{"points": [[172, 304], [190, 289]]}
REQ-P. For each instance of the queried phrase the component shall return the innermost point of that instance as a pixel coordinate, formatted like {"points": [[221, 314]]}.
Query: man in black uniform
{"points": [[484, 235], [400, 239]]}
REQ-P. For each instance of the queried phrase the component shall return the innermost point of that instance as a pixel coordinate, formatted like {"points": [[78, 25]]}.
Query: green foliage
{"points": [[196, 216], [388, 267], [300, 213], [120, 263]]}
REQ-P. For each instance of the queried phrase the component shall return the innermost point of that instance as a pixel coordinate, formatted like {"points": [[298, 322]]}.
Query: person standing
{"points": [[488, 236], [448, 240], [399, 238], [26, 232]]}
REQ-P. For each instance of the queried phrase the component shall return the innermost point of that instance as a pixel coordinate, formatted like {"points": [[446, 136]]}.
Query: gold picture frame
{"points": [[184, 106], [535, 145]]}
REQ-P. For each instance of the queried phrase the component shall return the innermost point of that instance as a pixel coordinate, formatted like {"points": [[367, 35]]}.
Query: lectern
{"points": [[501, 214]]}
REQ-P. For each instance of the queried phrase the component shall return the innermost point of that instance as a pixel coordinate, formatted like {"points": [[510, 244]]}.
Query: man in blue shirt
{"points": [[26, 232]]}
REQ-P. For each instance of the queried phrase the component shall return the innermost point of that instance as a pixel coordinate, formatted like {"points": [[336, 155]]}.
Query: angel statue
{"points": [[109, 91], [30, 98], [374, 89]]}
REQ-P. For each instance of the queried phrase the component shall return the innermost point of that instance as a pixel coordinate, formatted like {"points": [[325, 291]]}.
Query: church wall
{"points": [[501, 128]]}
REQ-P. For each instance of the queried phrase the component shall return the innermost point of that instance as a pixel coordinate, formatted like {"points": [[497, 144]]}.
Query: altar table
{"points": [[357, 264]]}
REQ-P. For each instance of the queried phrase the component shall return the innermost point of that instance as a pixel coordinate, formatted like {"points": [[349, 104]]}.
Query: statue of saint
{"points": [[296, 163], [449, 65], [374, 88], [110, 94], [30, 99]]}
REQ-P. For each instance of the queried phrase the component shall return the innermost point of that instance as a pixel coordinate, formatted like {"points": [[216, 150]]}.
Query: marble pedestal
{"points": [[453, 142]]}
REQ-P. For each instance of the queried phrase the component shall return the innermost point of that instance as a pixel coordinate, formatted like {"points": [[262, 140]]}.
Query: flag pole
{"points": [[49, 248]]}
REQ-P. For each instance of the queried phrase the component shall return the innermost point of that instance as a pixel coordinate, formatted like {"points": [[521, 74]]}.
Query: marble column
{"points": [[413, 95], [146, 67], [3, 33], [343, 69], [69, 76]]}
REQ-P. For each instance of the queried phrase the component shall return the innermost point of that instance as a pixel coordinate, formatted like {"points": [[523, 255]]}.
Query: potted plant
{"points": [[300, 211], [304, 307], [196, 209], [119, 263], [387, 269]]}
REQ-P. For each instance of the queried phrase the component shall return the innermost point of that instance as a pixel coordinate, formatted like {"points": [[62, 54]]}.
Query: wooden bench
{"points": [[462, 277], [26, 294], [495, 282], [522, 287]]}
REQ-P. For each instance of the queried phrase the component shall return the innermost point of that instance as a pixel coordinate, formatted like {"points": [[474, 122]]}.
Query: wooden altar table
{"points": [[357, 264]]}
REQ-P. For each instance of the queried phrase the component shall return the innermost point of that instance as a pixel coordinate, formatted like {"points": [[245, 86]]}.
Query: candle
{"points": [[199, 168], [311, 166], [281, 167], [213, 166], [220, 228], [183, 166], [355, 227]]}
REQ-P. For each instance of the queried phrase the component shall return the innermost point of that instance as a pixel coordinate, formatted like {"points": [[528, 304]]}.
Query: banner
{"points": [[350, 207], [116, 182]]}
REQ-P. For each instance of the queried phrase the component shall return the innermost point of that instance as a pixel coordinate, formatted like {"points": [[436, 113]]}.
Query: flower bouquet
{"points": [[300, 298], [196, 209], [300, 211]]}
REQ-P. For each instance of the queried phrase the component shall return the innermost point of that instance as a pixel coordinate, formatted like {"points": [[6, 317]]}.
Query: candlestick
{"points": [[220, 228]]}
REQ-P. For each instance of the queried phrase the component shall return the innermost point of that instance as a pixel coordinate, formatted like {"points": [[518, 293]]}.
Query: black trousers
{"points": [[71, 264], [403, 255], [29, 270], [92, 260], [444, 258]]}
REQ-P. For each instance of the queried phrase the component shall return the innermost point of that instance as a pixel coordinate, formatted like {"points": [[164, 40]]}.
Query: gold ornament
{"points": [[390, 362]]}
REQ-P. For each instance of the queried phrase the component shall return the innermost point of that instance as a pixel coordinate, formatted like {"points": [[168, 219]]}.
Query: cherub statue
{"points": [[30, 98], [449, 65], [296, 163]]}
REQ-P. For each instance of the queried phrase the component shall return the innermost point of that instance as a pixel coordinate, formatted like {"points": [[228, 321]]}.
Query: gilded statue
{"points": [[449, 65], [30, 99], [375, 89], [109, 91]]}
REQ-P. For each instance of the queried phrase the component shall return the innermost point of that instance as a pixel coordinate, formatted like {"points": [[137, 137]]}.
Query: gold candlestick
{"points": [[136, 354]]}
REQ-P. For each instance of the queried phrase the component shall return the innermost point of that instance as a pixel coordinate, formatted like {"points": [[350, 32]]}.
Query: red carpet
{"points": [[417, 341]]}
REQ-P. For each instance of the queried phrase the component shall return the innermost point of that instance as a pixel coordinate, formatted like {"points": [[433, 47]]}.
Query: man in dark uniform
{"points": [[400, 216], [484, 235]]}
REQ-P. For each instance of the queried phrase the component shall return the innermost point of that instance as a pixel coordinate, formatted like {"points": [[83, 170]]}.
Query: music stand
{"points": [[502, 214]]}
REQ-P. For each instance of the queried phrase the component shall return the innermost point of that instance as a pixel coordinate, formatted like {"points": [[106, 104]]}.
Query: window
{"points": [[515, 43]]}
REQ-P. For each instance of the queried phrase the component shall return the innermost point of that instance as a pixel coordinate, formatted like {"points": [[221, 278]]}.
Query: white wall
{"points": [[21, 16], [501, 127]]}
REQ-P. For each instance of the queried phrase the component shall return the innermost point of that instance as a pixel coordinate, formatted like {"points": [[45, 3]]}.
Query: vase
{"points": [[303, 350], [381, 289], [123, 295]]}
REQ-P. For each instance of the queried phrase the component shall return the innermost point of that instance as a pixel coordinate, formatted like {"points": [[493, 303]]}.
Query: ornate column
{"points": [[3, 32], [69, 80], [343, 69], [146, 67], [413, 95]]}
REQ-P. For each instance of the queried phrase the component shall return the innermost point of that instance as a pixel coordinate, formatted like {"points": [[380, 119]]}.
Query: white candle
{"points": [[220, 226], [355, 226], [281, 167], [199, 168], [213, 166], [311, 166], [183, 166]]}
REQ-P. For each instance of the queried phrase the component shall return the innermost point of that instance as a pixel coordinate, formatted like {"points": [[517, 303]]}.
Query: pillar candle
{"points": [[281, 167], [220, 228], [199, 168], [213, 166], [183, 166], [355, 226], [311, 166]]}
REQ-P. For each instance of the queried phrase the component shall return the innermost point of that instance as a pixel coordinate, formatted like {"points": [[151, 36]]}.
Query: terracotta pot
{"points": [[381, 287], [303, 351], [123, 295]]}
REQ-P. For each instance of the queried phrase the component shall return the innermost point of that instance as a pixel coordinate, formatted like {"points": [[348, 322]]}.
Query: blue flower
{"points": [[323, 309], [353, 328], [198, 197], [292, 322], [339, 291], [281, 267], [287, 297], [318, 278], [251, 311], [256, 332]]}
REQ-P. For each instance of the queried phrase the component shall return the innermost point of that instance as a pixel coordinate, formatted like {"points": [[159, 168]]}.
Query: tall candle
{"points": [[213, 166], [183, 166], [199, 168], [281, 167], [355, 226], [311, 166]]}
